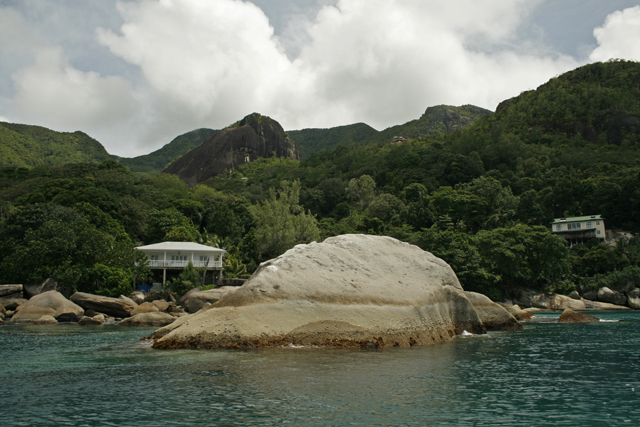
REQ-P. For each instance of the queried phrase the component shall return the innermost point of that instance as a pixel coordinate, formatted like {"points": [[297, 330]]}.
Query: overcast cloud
{"points": [[135, 74]]}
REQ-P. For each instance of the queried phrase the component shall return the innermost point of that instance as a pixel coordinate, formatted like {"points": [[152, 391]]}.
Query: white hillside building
{"points": [[174, 257]]}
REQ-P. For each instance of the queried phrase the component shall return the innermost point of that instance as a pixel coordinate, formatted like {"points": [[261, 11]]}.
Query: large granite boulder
{"points": [[348, 291], [633, 299], [607, 295], [32, 290], [494, 317], [571, 316], [145, 307], [156, 318], [32, 313], [65, 310], [116, 307], [198, 299]]}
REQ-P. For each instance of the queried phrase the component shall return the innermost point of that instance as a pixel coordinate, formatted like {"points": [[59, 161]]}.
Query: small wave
{"points": [[466, 333]]}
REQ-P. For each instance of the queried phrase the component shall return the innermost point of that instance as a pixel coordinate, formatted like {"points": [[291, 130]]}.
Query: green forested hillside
{"points": [[440, 119], [481, 198], [28, 146], [154, 162]]}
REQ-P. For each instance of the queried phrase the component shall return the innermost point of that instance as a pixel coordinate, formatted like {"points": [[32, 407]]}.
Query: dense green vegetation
{"points": [[481, 198], [155, 162], [28, 146], [441, 119]]}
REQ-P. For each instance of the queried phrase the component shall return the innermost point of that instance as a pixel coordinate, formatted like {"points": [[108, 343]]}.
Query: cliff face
{"points": [[254, 136]]}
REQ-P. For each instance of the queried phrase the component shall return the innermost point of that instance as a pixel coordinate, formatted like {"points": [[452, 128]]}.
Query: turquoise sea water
{"points": [[547, 375]]}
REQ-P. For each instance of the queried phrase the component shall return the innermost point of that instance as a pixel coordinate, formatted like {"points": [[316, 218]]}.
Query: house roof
{"points": [[180, 246], [577, 219]]}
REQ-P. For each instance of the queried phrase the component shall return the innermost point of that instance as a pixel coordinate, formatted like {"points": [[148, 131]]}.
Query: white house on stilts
{"points": [[171, 258]]}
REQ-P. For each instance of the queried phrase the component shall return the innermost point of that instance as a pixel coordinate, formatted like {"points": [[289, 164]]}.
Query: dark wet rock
{"points": [[571, 316], [13, 303], [574, 295], [137, 297]]}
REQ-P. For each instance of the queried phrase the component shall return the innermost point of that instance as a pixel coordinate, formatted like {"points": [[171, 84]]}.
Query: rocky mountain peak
{"points": [[252, 137]]}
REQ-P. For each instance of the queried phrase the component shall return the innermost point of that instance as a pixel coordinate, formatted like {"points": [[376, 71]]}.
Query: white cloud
{"points": [[53, 93], [378, 61], [618, 37], [206, 63]]}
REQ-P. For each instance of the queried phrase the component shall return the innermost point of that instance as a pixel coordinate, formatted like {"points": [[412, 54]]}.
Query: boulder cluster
{"points": [[50, 307], [348, 291], [603, 299]]}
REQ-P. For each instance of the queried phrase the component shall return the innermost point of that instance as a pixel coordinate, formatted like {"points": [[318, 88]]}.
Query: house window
{"points": [[178, 257], [153, 257], [204, 258], [597, 222], [589, 224], [574, 226], [599, 232], [558, 227]]}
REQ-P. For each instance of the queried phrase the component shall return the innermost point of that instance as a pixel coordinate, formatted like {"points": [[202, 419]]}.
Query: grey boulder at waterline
{"points": [[350, 290]]}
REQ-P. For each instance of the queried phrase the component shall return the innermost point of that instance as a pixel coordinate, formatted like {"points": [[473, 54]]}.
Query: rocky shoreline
{"points": [[349, 291]]}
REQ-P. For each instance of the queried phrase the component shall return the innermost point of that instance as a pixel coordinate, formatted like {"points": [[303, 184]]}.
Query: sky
{"points": [[134, 74]]}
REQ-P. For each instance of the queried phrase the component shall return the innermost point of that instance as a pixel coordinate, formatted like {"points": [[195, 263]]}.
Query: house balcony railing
{"points": [[182, 264]]}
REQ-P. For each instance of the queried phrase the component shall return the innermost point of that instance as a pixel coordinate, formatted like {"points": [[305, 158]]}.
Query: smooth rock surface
{"points": [[494, 317], [161, 304], [45, 320], [30, 314], [198, 299], [98, 319], [517, 312], [148, 319], [571, 316], [633, 299], [11, 291], [349, 291], [607, 295], [65, 310], [116, 307], [145, 307]]}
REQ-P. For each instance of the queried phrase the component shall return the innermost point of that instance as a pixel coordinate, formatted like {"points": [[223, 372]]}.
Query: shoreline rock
{"points": [[494, 317], [115, 307], [571, 316], [348, 291]]}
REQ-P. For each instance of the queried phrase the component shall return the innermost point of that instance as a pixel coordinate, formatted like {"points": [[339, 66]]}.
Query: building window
{"points": [[178, 257], [558, 227], [589, 224], [597, 222], [153, 257], [574, 226], [204, 258], [599, 232]]}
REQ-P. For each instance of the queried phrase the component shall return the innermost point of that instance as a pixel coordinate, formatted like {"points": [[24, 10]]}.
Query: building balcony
{"points": [[211, 265]]}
